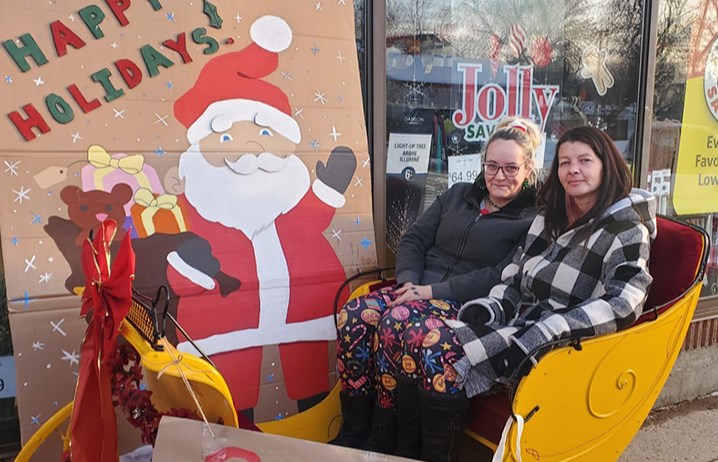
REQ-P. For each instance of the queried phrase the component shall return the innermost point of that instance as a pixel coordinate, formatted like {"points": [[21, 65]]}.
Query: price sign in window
{"points": [[464, 169]]}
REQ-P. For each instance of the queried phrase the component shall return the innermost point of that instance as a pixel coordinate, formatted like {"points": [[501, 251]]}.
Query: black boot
{"points": [[356, 423], [383, 431], [442, 421], [408, 409]]}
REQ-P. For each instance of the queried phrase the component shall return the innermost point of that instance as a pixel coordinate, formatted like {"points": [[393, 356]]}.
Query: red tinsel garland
{"points": [[134, 401]]}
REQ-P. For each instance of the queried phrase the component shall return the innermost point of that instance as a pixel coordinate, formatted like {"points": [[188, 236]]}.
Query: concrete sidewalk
{"points": [[683, 432]]}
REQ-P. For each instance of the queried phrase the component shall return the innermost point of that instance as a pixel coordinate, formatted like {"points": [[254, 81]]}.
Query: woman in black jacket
{"points": [[455, 252]]}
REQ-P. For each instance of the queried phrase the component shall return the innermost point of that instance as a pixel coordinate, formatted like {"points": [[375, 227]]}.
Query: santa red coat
{"points": [[300, 277]]}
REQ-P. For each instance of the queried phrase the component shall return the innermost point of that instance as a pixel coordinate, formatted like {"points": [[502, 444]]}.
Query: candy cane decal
{"points": [[517, 39]]}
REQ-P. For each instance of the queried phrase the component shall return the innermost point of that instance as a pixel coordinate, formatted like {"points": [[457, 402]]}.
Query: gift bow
{"points": [[99, 158], [144, 196]]}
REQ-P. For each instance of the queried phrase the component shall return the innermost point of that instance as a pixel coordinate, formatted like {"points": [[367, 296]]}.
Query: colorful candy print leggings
{"points": [[369, 340], [430, 350]]}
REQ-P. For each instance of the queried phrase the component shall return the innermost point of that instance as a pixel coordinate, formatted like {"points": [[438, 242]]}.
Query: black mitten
{"points": [[475, 315], [338, 172]]}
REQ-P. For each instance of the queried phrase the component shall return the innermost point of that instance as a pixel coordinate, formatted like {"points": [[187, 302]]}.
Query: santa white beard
{"points": [[249, 202]]}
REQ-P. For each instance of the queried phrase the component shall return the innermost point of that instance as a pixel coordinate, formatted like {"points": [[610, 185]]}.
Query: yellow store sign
{"points": [[696, 187]]}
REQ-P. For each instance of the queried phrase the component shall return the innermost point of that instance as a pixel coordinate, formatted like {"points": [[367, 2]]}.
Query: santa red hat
{"points": [[229, 88]]}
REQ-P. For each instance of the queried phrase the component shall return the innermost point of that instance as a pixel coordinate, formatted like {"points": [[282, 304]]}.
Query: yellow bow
{"points": [[144, 196], [99, 158]]}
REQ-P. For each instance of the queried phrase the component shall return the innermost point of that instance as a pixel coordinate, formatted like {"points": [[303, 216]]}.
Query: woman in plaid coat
{"points": [[583, 272]]}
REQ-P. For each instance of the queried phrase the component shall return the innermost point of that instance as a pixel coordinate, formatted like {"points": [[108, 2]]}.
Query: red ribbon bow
{"points": [[107, 295]]}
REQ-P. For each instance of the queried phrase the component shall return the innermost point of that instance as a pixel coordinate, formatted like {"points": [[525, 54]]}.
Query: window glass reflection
{"points": [[454, 68]]}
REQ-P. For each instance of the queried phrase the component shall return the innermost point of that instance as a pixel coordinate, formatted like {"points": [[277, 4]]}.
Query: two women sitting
{"points": [[487, 282]]}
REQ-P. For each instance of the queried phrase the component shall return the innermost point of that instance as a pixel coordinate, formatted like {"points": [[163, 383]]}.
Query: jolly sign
{"points": [[483, 106]]}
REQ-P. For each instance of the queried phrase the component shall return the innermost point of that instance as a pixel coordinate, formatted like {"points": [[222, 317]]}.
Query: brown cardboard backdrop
{"points": [[318, 73]]}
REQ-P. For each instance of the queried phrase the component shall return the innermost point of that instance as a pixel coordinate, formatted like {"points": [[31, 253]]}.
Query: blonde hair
{"points": [[526, 134]]}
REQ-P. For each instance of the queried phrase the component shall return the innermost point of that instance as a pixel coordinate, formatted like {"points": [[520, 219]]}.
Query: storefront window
{"points": [[683, 165], [455, 67]]}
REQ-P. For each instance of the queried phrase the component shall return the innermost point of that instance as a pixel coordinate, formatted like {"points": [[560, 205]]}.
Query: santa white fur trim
{"points": [[271, 33], [240, 109], [272, 334], [329, 196], [191, 273]]}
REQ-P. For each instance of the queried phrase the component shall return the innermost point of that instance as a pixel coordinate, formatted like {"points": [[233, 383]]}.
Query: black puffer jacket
{"points": [[459, 252]]}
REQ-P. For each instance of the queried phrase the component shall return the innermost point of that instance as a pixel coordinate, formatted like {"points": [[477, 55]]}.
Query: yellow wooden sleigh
{"points": [[584, 401]]}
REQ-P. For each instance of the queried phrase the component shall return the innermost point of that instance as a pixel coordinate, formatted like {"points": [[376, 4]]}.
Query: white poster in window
{"points": [[408, 154], [464, 169], [660, 182]]}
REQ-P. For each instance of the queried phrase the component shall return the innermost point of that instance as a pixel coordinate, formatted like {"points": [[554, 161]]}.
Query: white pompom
{"points": [[271, 33]]}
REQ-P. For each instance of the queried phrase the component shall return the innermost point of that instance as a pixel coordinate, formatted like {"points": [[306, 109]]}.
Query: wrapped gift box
{"points": [[157, 213]]}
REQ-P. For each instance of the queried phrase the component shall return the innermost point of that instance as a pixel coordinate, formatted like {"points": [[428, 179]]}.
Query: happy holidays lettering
{"points": [[26, 52]]}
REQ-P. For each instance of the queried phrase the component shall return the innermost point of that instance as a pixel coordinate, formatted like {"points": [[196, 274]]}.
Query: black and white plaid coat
{"points": [[575, 286]]}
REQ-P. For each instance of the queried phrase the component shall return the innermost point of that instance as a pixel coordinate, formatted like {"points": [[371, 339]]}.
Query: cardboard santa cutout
{"points": [[264, 224]]}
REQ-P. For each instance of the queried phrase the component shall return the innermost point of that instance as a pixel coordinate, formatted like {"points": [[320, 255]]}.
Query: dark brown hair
{"points": [[616, 181]]}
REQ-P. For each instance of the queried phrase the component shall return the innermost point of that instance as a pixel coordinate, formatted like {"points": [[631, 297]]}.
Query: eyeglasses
{"points": [[510, 170]]}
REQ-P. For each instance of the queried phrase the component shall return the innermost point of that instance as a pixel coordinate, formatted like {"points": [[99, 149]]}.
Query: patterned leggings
{"points": [[430, 349], [369, 340]]}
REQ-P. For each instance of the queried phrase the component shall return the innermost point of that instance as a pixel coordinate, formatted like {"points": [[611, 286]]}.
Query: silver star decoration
{"points": [[73, 357], [334, 134], [314, 144], [30, 263], [298, 112], [37, 345], [45, 277], [75, 137], [21, 194], [161, 119], [320, 96], [38, 81], [315, 51], [287, 75], [56, 327], [11, 167]]}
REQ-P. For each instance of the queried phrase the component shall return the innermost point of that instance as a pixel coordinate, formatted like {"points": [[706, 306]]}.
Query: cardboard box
{"points": [[185, 440]]}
